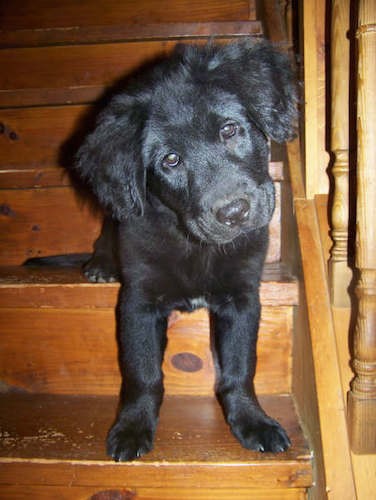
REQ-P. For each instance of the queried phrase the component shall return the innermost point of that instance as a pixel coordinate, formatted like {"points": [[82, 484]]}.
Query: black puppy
{"points": [[180, 159]]}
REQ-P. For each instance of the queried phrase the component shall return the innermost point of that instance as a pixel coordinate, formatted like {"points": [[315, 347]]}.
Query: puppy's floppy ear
{"points": [[110, 159], [266, 84]]}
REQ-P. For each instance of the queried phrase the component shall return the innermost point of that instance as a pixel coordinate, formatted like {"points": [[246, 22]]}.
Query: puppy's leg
{"points": [[235, 334], [142, 335], [103, 264]]}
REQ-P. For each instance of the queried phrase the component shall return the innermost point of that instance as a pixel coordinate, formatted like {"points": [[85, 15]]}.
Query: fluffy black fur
{"points": [[180, 160]]}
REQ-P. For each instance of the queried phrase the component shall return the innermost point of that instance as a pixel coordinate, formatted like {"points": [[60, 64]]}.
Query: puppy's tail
{"points": [[67, 260]]}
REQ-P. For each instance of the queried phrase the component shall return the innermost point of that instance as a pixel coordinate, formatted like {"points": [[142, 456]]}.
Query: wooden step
{"points": [[42, 14], [104, 21], [37, 145], [71, 57], [57, 75], [147, 30], [40, 212], [36, 222], [53, 447], [38, 142], [58, 331]]}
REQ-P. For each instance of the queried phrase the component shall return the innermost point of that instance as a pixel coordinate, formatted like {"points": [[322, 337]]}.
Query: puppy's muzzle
{"points": [[233, 213]]}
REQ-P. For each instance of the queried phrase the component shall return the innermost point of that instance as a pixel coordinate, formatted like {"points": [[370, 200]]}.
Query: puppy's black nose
{"points": [[234, 213]]}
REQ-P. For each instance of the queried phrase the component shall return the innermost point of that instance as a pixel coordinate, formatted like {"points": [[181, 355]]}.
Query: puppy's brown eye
{"points": [[228, 131], [171, 160]]}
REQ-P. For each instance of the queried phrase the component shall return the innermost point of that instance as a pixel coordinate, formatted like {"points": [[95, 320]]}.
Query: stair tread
{"points": [[192, 432], [26, 287], [127, 32]]}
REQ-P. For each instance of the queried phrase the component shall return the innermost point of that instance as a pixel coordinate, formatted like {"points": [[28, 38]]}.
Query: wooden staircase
{"points": [[58, 359]]}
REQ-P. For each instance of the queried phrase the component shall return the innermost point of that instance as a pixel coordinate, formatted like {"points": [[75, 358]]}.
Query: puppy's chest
{"points": [[193, 281], [185, 288]]}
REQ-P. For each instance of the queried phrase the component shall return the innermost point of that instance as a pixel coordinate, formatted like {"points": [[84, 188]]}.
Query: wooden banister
{"points": [[362, 397], [339, 271]]}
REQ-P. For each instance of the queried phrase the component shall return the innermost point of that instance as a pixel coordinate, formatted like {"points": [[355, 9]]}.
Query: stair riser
{"points": [[191, 476], [113, 12], [50, 221], [66, 351], [80, 74]]}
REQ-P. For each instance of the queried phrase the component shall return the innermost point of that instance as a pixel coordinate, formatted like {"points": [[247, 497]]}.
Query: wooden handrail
{"points": [[362, 397], [339, 271]]}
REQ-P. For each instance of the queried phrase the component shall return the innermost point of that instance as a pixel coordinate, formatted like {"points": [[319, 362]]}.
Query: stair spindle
{"points": [[362, 397], [339, 272]]}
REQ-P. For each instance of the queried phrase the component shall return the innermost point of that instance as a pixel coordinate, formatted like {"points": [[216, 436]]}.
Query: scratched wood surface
{"points": [[193, 446]]}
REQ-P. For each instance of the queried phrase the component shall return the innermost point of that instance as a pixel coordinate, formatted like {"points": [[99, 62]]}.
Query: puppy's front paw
{"points": [[128, 441], [99, 270], [265, 435]]}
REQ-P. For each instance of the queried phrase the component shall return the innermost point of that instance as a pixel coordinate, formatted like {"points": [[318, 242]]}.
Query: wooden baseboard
{"points": [[331, 405]]}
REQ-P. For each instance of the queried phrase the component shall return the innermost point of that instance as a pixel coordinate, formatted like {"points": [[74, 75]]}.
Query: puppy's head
{"points": [[196, 136]]}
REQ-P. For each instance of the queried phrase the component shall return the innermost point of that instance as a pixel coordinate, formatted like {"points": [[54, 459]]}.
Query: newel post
{"points": [[362, 397], [339, 271]]}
